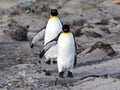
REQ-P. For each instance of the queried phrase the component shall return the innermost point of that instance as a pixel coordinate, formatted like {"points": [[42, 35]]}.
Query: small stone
{"points": [[2, 83], [103, 22], [92, 34], [30, 80], [105, 29], [80, 22], [20, 75], [14, 13], [20, 84], [47, 73], [9, 84], [19, 61], [76, 32]]}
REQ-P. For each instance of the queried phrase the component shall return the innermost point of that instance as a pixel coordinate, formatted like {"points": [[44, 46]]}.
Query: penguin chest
{"points": [[66, 48], [53, 28]]}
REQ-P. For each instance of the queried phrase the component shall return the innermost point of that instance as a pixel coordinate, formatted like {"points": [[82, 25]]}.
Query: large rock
{"points": [[16, 31], [96, 53], [105, 47]]}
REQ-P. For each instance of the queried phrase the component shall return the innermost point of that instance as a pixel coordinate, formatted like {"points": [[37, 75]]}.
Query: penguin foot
{"points": [[61, 74], [70, 75], [48, 62], [39, 62], [54, 62], [47, 73]]}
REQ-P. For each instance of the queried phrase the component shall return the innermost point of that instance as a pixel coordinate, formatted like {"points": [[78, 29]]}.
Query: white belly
{"points": [[51, 53], [53, 28], [66, 52]]}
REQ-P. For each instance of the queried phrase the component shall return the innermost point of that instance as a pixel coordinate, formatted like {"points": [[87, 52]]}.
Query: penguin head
{"points": [[54, 12], [66, 28]]}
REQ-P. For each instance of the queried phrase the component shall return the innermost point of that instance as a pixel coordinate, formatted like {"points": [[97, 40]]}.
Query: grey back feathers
{"points": [[48, 45], [39, 36]]}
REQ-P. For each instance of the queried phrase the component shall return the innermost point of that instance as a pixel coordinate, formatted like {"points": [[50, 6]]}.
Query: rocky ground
{"points": [[96, 26]]}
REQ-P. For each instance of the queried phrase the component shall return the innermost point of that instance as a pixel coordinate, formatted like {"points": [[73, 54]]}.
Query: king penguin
{"points": [[52, 30], [67, 51]]}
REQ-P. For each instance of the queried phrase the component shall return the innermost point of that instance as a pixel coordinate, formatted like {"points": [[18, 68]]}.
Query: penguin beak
{"points": [[31, 45]]}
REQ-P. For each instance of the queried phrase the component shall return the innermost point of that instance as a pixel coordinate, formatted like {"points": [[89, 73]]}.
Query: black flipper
{"points": [[31, 45], [75, 57], [38, 36], [48, 46]]}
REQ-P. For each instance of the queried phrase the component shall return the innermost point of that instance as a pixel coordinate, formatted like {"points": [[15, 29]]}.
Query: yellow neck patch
{"points": [[54, 17], [66, 33]]}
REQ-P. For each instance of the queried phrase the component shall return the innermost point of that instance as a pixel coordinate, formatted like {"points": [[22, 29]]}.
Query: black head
{"points": [[54, 12], [66, 28]]}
